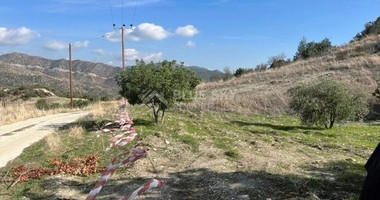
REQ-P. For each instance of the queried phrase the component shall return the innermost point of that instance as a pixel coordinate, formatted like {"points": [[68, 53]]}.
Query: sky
{"points": [[214, 34]]}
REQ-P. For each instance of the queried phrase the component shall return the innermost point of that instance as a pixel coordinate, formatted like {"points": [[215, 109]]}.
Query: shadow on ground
{"points": [[334, 180], [88, 125], [277, 127]]}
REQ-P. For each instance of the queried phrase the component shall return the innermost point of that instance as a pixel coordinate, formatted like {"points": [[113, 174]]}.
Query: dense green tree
{"points": [[158, 86], [311, 49], [326, 102]]}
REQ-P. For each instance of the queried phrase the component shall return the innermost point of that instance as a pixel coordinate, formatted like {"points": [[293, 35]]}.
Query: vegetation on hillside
{"points": [[326, 102], [370, 28], [311, 49]]}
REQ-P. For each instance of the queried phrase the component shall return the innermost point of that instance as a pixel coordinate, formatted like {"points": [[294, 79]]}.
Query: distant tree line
{"points": [[370, 28]]}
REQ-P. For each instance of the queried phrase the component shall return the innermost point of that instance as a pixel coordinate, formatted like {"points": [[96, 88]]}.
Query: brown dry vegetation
{"points": [[11, 112], [356, 63]]}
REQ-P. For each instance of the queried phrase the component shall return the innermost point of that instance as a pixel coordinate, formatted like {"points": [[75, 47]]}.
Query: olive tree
{"points": [[327, 101], [157, 85]]}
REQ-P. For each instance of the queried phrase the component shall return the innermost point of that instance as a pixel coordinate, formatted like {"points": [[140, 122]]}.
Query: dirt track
{"points": [[15, 137]]}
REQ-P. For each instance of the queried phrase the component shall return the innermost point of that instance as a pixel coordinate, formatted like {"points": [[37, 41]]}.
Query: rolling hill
{"points": [[356, 63], [95, 79]]}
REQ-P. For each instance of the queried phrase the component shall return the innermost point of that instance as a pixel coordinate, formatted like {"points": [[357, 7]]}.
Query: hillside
{"points": [[206, 74], [356, 63], [89, 78]]}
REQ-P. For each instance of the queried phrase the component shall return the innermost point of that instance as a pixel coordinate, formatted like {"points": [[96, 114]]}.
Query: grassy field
{"points": [[208, 155]]}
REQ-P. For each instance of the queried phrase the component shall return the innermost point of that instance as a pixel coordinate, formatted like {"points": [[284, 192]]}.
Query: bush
{"points": [[240, 71], [80, 103], [312, 49], [326, 102], [42, 104]]}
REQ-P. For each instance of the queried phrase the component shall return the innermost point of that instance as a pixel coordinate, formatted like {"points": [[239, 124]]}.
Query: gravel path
{"points": [[15, 137]]}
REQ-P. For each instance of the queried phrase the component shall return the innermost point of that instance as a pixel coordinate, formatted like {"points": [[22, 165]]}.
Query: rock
{"points": [[167, 142]]}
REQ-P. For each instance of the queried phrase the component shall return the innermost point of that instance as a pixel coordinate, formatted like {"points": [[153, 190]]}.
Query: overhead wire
{"points": [[111, 10], [122, 12], [134, 14]]}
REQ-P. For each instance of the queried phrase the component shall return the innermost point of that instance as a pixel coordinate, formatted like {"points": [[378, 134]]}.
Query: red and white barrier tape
{"points": [[106, 174], [153, 183]]}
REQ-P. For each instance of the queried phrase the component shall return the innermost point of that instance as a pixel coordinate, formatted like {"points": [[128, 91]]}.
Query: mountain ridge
{"points": [[90, 78]]}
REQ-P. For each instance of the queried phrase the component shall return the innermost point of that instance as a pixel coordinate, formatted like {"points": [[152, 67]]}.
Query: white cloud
{"points": [[100, 52], [60, 45], [148, 31], [187, 31], [190, 44], [152, 56], [80, 44], [113, 36], [56, 45], [133, 54], [16, 36], [144, 31]]}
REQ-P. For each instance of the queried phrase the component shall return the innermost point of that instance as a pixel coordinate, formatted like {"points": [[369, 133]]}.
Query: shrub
{"points": [[80, 103], [240, 71], [311, 49], [42, 104], [326, 102]]}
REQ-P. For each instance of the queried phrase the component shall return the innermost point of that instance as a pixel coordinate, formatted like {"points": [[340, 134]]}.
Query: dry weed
{"points": [[75, 132], [356, 64], [53, 141]]}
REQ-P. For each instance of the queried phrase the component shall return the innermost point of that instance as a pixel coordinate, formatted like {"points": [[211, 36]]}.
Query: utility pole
{"points": [[122, 48], [71, 77]]}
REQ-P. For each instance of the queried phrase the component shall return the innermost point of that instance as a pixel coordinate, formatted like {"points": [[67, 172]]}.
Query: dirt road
{"points": [[15, 137]]}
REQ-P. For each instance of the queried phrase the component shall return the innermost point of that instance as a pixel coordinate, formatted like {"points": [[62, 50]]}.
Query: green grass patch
{"points": [[233, 153]]}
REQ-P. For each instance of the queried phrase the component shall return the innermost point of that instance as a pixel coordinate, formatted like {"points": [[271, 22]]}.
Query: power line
{"points": [[134, 14], [122, 11], [111, 9]]}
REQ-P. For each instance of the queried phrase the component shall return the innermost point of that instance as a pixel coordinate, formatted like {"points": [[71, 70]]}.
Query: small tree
{"points": [[227, 74], [311, 49], [326, 102], [277, 61], [240, 71], [261, 67], [158, 86]]}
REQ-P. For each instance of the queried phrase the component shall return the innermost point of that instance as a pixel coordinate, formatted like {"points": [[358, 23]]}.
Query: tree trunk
{"points": [[162, 116], [332, 120], [155, 112]]}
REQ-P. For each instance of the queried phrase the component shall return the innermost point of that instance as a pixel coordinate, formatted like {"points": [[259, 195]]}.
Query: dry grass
{"points": [[75, 132], [18, 111], [53, 141], [356, 64], [99, 110], [11, 112]]}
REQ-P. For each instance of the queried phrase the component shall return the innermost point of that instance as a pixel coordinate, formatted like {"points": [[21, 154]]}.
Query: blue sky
{"points": [[207, 33]]}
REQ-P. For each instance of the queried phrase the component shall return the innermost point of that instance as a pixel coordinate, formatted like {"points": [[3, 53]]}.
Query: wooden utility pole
{"points": [[122, 47], [71, 77]]}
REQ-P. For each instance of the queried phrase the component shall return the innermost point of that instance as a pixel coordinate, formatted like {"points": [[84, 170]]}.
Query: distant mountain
{"points": [[206, 74], [89, 78], [18, 69]]}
